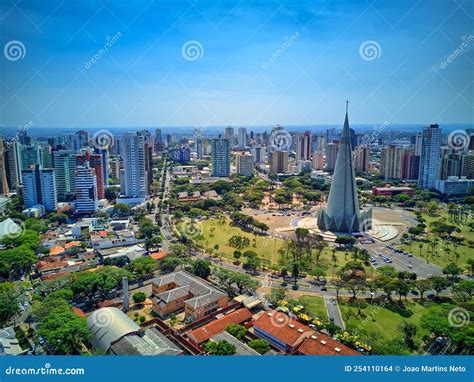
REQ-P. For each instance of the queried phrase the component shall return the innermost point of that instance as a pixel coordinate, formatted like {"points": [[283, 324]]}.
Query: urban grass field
{"points": [[217, 232]]}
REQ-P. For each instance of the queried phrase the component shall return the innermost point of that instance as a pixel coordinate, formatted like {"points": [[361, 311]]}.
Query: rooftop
{"points": [[320, 344], [202, 291], [209, 330], [151, 342], [284, 328]]}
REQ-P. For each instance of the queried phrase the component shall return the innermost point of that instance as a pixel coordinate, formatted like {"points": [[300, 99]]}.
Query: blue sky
{"points": [[143, 79]]}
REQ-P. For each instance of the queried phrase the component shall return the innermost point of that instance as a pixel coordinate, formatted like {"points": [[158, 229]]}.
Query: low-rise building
{"points": [[454, 185], [281, 331], [9, 345], [183, 291], [320, 344], [390, 190], [114, 239], [113, 331], [213, 328]]}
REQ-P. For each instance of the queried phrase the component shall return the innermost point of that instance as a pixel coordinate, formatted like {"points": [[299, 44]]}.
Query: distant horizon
{"points": [[186, 130]]}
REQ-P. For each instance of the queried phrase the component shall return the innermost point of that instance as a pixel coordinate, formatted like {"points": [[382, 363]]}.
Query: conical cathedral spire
{"points": [[342, 213]]}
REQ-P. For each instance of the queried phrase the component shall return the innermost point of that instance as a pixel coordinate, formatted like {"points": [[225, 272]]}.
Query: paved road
{"points": [[334, 312], [403, 262]]}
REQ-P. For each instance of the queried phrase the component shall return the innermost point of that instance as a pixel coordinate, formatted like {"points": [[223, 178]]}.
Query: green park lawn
{"points": [[380, 325], [342, 258], [315, 306], [217, 232], [441, 256]]}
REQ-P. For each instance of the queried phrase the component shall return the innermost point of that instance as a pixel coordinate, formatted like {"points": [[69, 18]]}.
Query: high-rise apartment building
{"points": [[4, 189], [259, 154], [242, 138], [220, 157], [430, 157], [229, 134], [31, 156], [318, 160], [133, 182], [245, 164], [303, 146], [65, 169], [391, 162], [86, 189], [13, 164], [279, 162], [361, 159], [411, 165], [331, 155], [39, 187], [95, 162]]}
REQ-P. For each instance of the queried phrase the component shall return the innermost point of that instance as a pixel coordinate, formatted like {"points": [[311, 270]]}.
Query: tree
{"points": [[142, 266], [338, 284], [61, 328], [463, 291], [219, 348], [355, 286], [202, 268], [139, 297], [236, 330], [8, 301], [452, 271], [422, 286], [470, 266], [277, 294], [295, 271], [439, 283], [259, 345], [122, 210], [169, 263], [402, 288], [436, 320], [409, 330], [237, 255]]}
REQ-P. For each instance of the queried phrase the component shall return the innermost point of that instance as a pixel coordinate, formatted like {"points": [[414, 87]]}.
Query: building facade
{"points": [[220, 157]]}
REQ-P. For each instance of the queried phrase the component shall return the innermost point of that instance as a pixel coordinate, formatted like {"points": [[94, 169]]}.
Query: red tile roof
{"points": [[320, 344], [56, 250], [72, 244], [280, 326], [209, 330], [44, 266], [158, 255], [78, 311]]}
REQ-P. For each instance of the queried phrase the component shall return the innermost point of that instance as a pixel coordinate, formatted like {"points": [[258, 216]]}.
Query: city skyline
{"points": [[194, 64]]}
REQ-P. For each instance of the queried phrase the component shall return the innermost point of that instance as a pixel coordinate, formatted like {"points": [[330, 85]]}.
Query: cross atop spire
{"points": [[347, 105]]}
